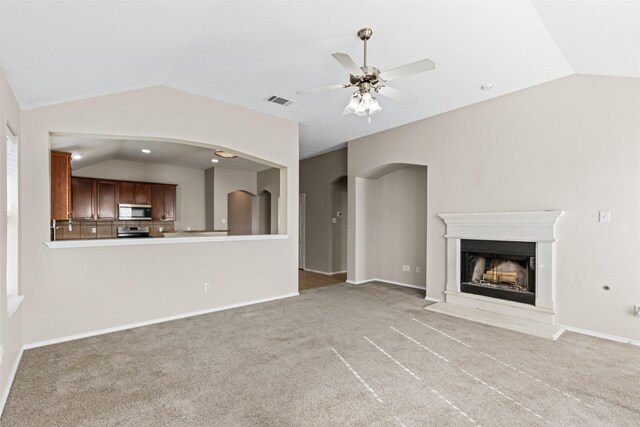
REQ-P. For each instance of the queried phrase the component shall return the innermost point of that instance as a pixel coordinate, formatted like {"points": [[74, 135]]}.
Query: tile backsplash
{"points": [[81, 230]]}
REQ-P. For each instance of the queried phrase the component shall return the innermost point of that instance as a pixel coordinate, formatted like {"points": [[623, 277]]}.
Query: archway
{"points": [[390, 226], [240, 212]]}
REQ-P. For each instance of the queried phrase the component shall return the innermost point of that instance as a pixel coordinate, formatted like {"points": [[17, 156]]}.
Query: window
{"points": [[13, 298]]}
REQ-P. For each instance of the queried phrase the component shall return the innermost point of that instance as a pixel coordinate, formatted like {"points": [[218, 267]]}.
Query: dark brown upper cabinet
{"points": [[138, 193], [83, 198], [106, 200], [163, 202]]}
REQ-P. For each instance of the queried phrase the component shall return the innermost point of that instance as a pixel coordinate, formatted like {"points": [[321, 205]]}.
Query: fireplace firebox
{"points": [[499, 269]]}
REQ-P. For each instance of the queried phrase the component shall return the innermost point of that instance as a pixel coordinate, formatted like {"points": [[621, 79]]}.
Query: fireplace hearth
{"points": [[499, 269]]}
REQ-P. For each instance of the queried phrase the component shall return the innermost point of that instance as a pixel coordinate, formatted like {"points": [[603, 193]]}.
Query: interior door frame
{"points": [[302, 235]]}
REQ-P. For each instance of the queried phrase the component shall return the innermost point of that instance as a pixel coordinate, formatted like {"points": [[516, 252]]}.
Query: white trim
{"points": [[601, 335], [326, 273], [153, 322], [389, 282], [433, 299], [92, 243], [13, 304], [9, 384]]}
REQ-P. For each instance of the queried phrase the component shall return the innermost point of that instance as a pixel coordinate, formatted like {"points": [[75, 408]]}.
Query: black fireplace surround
{"points": [[499, 269]]}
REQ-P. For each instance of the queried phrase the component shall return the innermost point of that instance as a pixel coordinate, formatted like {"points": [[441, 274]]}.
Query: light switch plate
{"points": [[334, 220], [605, 216], [636, 310]]}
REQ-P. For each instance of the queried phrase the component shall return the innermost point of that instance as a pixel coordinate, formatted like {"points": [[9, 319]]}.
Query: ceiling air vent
{"points": [[279, 100]]}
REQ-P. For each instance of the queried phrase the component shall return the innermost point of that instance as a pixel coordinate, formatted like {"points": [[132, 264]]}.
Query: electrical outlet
{"points": [[417, 270], [334, 220], [93, 230], [224, 220], [161, 229], [207, 286], [636, 310]]}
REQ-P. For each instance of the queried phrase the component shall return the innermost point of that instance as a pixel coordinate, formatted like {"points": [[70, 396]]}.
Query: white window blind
{"points": [[12, 218]]}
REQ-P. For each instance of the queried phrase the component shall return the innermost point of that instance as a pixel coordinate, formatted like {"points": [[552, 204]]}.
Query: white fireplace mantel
{"points": [[538, 227]]}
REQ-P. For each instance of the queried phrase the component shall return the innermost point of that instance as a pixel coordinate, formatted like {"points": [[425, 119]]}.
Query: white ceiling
{"points": [[240, 52], [96, 150]]}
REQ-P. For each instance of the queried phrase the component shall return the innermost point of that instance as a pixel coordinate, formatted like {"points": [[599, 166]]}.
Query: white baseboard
{"points": [[601, 335], [389, 282], [433, 299], [12, 376], [152, 322], [326, 273]]}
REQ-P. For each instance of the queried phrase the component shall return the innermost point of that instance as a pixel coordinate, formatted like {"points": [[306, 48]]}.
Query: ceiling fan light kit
{"points": [[369, 79]]}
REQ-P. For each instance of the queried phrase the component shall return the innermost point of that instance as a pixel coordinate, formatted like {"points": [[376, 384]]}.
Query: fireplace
{"points": [[499, 269]]}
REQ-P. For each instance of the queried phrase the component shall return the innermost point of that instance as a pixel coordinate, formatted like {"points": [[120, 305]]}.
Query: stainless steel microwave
{"points": [[127, 212]]}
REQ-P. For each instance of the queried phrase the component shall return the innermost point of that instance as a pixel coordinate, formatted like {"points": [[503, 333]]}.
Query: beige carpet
{"points": [[365, 355]]}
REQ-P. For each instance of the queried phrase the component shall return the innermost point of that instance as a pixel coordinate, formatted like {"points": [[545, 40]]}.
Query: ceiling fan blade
{"points": [[348, 63], [397, 95], [322, 88], [409, 69]]}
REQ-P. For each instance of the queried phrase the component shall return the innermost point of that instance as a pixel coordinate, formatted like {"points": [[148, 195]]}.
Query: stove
{"points": [[132, 232]]}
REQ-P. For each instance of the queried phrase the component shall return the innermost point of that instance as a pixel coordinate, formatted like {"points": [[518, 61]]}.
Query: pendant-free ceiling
{"points": [[370, 80]]}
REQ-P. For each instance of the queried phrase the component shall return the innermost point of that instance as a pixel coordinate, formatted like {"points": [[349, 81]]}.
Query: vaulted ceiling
{"points": [[242, 52]]}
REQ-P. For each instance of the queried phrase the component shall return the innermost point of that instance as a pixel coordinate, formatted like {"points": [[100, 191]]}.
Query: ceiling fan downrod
{"points": [[365, 34]]}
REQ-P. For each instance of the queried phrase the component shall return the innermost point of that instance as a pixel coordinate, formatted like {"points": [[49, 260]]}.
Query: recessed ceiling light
{"points": [[487, 86], [146, 151], [76, 156], [215, 160], [225, 154]]}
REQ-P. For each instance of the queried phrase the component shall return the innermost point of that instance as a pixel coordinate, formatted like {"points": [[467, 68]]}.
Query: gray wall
{"points": [[572, 144], [269, 180], [317, 174], [339, 203], [225, 182], [209, 188], [397, 223]]}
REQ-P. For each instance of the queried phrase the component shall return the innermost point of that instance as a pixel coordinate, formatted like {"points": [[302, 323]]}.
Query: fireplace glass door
{"points": [[498, 269]]}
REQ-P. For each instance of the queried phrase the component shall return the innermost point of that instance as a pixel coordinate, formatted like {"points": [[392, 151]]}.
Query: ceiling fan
{"points": [[369, 79]]}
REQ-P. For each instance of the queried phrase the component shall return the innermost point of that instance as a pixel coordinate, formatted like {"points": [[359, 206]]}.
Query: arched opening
{"points": [[391, 225], [240, 212]]}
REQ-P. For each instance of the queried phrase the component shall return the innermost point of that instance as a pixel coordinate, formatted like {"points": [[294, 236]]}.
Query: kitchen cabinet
{"points": [[83, 198], [163, 202], [106, 200], [98, 199], [143, 193], [138, 193], [60, 185], [127, 192]]}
